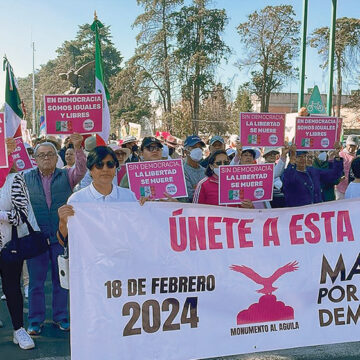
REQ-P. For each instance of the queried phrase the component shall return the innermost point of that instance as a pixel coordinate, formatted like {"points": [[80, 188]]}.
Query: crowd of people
{"points": [[80, 171]]}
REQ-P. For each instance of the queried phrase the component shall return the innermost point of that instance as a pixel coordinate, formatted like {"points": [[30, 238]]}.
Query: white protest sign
{"points": [[185, 281]]}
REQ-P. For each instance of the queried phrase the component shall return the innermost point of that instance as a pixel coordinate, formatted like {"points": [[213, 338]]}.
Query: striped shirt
{"points": [[19, 204]]}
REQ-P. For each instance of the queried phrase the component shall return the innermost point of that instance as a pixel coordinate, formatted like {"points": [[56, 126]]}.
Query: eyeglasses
{"points": [[44, 155], [109, 164], [225, 162], [152, 148]]}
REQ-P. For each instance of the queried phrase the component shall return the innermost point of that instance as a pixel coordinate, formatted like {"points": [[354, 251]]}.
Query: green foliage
{"points": [[347, 41], [71, 54], [270, 38], [215, 114], [129, 98], [199, 49], [347, 45], [154, 49], [243, 99]]}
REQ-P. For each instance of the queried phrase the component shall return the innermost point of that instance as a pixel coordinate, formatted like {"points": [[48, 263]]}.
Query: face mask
{"points": [[196, 154], [217, 171], [134, 148], [165, 151], [322, 156], [171, 151]]}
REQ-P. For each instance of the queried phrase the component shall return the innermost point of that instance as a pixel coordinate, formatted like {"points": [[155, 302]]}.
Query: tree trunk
{"points": [[263, 89], [200, 4], [196, 100], [339, 87], [166, 68]]}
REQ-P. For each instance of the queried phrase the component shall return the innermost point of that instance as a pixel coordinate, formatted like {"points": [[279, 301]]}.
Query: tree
{"points": [[242, 103], [71, 54], [270, 38], [130, 100], [214, 114], [347, 42], [199, 49], [80, 51], [243, 99], [154, 51]]}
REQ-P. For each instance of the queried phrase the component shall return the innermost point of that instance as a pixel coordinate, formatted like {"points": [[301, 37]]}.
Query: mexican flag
{"points": [[13, 105], [100, 86]]}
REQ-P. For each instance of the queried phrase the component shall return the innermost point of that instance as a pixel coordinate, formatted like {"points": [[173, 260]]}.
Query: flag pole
{"points": [[331, 57], [33, 91]]}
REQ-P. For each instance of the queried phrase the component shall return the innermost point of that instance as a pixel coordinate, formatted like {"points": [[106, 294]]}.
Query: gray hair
{"points": [[47, 143]]}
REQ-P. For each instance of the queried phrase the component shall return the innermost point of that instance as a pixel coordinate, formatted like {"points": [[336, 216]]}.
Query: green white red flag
{"points": [[100, 86], [13, 105]]}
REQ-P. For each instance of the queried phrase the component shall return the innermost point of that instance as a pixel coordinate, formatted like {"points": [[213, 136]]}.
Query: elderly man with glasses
{"points": [[50, 188]]}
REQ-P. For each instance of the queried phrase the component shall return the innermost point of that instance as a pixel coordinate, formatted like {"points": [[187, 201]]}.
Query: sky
{"points": [[48, 23]]}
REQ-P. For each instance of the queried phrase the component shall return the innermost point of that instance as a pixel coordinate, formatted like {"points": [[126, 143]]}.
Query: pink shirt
{"points": [[75, 174], [348, 158]]}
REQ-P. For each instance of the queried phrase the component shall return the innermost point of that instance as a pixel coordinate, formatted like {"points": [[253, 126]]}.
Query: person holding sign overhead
{"points": [[302, 183], [207, 190], [50, 188]]}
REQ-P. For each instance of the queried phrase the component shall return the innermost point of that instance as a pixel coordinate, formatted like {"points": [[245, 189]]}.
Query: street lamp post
{"points": [[331, 57]]}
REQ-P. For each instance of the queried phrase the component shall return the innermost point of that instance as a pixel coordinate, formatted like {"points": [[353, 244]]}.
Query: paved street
{"points": [[54, 344]]}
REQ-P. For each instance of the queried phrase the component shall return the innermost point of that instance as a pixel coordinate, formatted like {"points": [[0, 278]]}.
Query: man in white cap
{"points": [[130, 142], [89, 145], [122, 154], [348, 154]]}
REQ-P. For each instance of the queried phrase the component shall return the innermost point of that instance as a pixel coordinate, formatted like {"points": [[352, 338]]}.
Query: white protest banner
{"points": [[185, 281]]}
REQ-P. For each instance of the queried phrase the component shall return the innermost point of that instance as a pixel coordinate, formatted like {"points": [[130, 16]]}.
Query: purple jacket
{"points": [[304, 188]]}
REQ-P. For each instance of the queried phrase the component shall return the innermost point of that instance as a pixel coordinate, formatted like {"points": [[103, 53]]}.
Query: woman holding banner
{"points": [[207, 190], [102, 163]]}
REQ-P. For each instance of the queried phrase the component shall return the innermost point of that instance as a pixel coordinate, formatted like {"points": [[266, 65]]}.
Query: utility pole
{"points": [[33, 92], [331, 57], [303, 54]]}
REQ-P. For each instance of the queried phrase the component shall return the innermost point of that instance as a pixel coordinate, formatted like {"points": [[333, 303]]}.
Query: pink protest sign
{"points": [[21, 157], [154, 178], [245, 182], [262, 129], [3, 151], [67, 114], [317, 132]]}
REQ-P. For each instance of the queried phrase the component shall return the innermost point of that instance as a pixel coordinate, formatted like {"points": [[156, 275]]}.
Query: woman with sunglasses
{"points": [[102, 163], [207, 190]]}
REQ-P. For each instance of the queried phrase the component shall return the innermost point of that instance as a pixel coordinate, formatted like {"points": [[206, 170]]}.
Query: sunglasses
{"points": [[109, 164], [225, 162], [44, 155], [152, 148]]}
